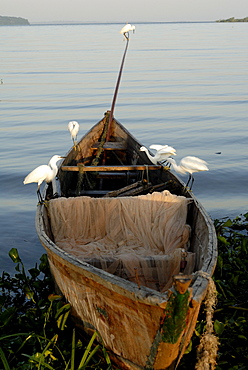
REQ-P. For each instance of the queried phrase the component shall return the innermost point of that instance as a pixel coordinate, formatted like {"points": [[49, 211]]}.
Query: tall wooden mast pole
{"points": [[117, 88]]}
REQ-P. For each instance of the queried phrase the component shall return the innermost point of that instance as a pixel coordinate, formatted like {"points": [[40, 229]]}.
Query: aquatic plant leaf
{"points": [[242, 337], [219, 327], [65, 308], [40, 359], [62, 315], [34, 272], [223, 240], [220, 262], [29, 293], [91, 354], [87, 351], [14, 255], [244, 245], [44, 265], [189, 348], [6, 316], [4, 360], [228, 223], [106, 356], [54, 297]]}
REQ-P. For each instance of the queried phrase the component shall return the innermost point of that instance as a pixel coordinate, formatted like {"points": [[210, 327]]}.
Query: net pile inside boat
{"points": [[141, 238]]}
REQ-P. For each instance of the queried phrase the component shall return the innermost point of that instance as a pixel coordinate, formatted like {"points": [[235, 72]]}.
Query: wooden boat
{"points": [[145, 322], [128, 245]]}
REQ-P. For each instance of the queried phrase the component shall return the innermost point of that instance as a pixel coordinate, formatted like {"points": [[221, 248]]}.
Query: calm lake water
{"points": [[184, 84]]}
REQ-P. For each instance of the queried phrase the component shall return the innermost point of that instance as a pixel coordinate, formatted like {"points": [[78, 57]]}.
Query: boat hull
{"points": [[132, 320]]}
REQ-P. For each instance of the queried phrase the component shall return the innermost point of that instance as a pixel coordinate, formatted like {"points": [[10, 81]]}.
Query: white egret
{"points": [[43, 173], [163, 152], [189, 165], [126, 29], [73, 127]]}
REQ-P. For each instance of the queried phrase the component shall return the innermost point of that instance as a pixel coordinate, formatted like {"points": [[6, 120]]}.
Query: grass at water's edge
{"points": [[36, 330]]}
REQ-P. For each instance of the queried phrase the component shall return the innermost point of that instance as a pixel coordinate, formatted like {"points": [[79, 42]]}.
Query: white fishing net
{"points": [[141, 238]]}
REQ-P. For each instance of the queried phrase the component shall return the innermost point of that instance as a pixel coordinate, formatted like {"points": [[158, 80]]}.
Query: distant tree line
{"points": [[13, 21], [232, 19]]}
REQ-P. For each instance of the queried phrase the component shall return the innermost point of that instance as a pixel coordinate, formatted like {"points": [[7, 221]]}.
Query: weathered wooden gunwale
{"points": [[110, 168], [130, 318]]}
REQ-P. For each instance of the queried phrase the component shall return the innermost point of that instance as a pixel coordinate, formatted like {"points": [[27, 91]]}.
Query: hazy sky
{"points": [[125, 10]]}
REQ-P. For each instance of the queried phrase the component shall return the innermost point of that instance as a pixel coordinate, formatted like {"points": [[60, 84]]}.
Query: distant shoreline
{"points": [[13, 21], [232, 19]]}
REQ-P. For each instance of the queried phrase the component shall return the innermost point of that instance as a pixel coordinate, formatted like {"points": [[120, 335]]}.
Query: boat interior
{"points": [[111, 166], [114, 168], [143, 239]]}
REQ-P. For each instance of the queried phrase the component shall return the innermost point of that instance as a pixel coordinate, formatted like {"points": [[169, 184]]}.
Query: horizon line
{"points": [[114, 22]]}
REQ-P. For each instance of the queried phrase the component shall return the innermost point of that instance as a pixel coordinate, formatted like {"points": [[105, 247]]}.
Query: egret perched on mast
{"points": [[126, 29]]}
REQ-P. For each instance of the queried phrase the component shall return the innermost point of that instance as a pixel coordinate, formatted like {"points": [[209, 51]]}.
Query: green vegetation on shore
{"points": [[37, 331], [13, 21], [232, 19], [231, 312]]}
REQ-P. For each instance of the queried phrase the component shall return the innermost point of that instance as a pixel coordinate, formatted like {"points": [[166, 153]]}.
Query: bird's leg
{"points": [[188, 180], [75, 144], [166, 163], [40, 200], [126, 35], [192, 182]]}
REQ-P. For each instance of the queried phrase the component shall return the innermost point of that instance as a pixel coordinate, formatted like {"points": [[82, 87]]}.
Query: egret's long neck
{"points": [[174, 163], [150, 157], [176, 167], [54, 167]]}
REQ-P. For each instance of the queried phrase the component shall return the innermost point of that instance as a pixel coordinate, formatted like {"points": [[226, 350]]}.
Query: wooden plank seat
{"points": [[111, 145], [138, 167], [116, 175]]}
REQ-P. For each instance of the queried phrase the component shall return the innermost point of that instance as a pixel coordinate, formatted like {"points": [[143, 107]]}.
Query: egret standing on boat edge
{"points": [[189, 165], [45, 172], [73, 127], [163, 152]]}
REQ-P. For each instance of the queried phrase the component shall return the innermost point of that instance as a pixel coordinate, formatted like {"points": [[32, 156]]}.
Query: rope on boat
{"points": [[146, 171], [82, 175], [102, 142], [79, 182], [208, 347]]}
